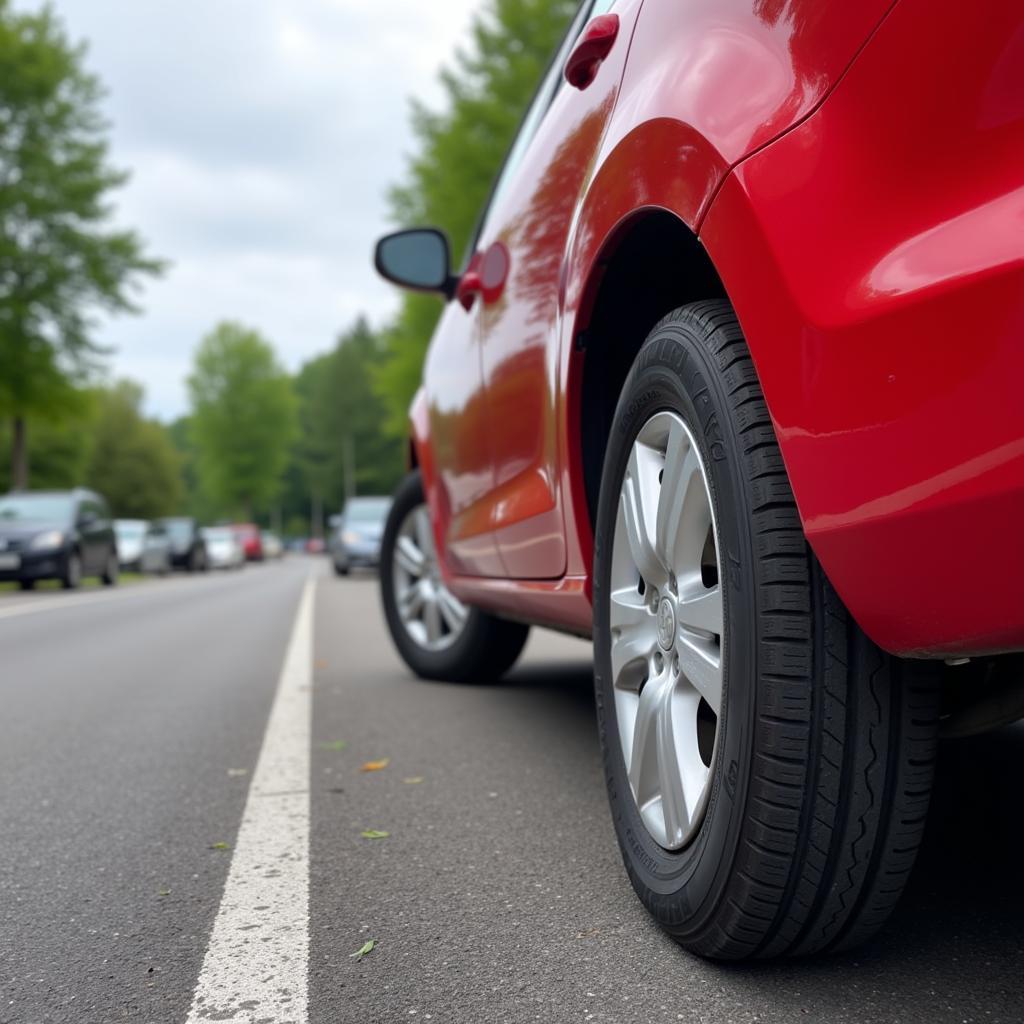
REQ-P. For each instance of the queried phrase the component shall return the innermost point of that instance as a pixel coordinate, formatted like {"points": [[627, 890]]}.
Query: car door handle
{"points": [[595, 43], [468, 288]]}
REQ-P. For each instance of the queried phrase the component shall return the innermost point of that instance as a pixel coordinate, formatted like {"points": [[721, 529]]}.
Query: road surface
{"points": [[139, 727]]}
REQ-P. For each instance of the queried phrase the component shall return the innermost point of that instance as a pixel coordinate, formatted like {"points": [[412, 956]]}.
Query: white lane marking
{"points": [[256, 965]]}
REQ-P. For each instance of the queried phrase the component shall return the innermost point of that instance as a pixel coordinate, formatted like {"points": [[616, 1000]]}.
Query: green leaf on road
{"points": [[220, 846], [334, 745], [238, 771], [163, 892], [413, 780], [372, 833], [365, 948]]}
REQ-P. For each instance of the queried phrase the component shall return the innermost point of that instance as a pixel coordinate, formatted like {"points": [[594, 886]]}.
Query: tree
{"points": [[133, 464], [342, 448], [242, 420], [460, 150], [59, 258]]}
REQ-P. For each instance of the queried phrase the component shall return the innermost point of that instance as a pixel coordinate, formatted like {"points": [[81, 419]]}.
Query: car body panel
{"points": [[892, 368], [854, 173]]}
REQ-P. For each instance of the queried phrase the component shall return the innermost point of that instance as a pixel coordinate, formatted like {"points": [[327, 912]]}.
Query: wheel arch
{"points": [[651, 263]]}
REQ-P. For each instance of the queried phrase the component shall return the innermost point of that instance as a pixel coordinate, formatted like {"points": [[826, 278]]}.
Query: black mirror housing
{"points": [[416, 258]]}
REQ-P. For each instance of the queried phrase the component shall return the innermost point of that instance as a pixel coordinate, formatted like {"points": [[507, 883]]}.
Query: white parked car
{"points": [[223, 549], [142, 546]]}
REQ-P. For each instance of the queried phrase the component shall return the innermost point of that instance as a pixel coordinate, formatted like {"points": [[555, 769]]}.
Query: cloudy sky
{"points": [[261, 136]]}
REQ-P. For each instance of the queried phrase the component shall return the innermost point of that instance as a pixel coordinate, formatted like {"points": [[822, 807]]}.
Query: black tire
{"points": [[27, 584], [111, 570], [71, 578], [487, 647], [197, 560], [340, 570], [824, 759]]}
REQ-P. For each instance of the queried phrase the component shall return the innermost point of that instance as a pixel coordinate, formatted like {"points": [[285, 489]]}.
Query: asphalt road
{"points": [[131, 730]]}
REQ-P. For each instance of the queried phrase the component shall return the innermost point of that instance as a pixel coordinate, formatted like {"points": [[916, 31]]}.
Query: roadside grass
{"points": [[89, 583]]}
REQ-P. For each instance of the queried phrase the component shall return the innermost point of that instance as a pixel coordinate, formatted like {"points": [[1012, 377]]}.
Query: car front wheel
{"points": [[437, 635], [71, 578], [768, 767]]}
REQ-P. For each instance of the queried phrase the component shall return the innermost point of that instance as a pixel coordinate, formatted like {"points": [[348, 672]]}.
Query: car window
{"points": [[542, 99], [42, 508]]}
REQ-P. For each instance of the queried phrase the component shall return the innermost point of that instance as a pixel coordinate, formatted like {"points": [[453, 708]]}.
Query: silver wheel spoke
{"points": [[424, 531], [639, 509], [700, 665], [409, 556], [633, 632], [432, 619], [453, 611], [670, 780], [701, 609]]}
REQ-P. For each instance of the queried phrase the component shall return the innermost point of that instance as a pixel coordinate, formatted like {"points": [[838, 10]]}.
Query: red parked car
{"points": [[730, 381], [251, 540]]}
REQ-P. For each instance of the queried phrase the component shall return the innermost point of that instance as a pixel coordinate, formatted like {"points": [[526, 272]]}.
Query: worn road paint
{"points": [[256, 965]]}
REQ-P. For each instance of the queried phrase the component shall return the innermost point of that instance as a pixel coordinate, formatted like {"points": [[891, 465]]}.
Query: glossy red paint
{"points": [[855, 174], [881, 286]]}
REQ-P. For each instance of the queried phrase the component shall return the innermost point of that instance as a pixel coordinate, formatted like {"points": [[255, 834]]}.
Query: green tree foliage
{"points": [[60, 449], [459, 151], [59, 257], [341, 444], [133, 464], [243, 419]]}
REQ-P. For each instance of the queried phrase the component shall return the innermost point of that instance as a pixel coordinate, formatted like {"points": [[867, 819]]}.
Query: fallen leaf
{"points": [[413, 780], [375, 766], [365, 948], [372, 833], [334, 745], [238, 771], [163, 892], [320, 663], [220, 846]]}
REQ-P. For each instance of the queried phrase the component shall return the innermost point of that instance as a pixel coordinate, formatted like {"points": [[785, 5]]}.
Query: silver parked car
{"points": [[356, 539], [223, 548], [142, 546]]}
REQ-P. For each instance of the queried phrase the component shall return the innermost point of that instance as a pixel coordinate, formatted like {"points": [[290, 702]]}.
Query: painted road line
{"points": [[256, 965]]}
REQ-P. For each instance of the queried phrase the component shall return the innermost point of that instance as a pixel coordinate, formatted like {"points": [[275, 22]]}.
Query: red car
{"points": [[731, 382], [249, 537]]}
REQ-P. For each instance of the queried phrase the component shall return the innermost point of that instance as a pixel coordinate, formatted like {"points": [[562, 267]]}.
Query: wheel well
{"points": [[653, 265]]}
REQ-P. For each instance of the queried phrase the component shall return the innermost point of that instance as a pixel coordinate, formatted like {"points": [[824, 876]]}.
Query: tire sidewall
{"points": [[682, 887]]}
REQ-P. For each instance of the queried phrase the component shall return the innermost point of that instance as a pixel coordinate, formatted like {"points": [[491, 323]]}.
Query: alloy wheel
{"points": [[667, 626], [431, 614]]}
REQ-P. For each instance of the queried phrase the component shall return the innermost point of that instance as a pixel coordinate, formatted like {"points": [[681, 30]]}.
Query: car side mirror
{"points": [[417, 258]]}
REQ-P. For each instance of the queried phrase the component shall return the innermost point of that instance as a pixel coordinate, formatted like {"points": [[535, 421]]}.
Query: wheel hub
{"points": [[666, 624]]}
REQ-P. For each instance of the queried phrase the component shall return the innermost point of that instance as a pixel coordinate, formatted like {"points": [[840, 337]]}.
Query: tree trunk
{"points": [[19, 456]]}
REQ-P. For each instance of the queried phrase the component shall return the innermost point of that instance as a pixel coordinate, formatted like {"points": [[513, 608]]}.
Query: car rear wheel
{"points": [[437, 635], [768, 767], [72, 577], [110, 570]]}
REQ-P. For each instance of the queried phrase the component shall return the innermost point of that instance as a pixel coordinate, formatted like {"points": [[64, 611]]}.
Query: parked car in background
{"points": [[355, 542], [272, 546], [314, 546], [223, 548], [62, 535], [745, 322], [188, 549], [142, 546], [249, 537]]}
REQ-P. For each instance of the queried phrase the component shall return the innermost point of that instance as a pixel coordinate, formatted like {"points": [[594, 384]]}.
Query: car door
{"points": [[519, 256]]}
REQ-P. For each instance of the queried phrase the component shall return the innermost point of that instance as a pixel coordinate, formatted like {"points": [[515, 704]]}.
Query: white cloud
{"points": [[261, 136]]}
